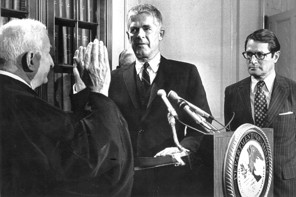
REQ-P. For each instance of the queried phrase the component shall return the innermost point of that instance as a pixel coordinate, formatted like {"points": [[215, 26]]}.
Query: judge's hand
{"points": [[93, 67]]}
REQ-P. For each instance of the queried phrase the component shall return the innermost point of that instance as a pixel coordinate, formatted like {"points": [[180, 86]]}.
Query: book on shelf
{"points": [[82, 10], [62, 87], [63, 34], [70, 45], [59, 56], [68, 9], [64, 44], [59, 8], [8, 4], [79, 37], [85, 37], [56, 44], [16, 4], [56, 8], [90, 10], [67, 44], [23, 5]]}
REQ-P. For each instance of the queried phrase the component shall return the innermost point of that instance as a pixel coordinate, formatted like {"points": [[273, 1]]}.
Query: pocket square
{"points": [[285, 113]]}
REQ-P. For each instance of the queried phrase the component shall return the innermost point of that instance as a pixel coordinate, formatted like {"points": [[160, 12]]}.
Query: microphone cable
{"points": [[213, 131]]}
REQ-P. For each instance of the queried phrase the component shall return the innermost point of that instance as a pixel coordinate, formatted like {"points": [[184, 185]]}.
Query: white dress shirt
{"points": [[2, 72], [152, 69], [267, 89]]}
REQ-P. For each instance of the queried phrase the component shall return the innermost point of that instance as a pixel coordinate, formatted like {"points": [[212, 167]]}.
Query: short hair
{"points": [[126, 57], [265, 36], [144, 8], [19, 36]]}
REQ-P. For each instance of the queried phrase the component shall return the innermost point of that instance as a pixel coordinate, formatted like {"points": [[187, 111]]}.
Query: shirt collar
{"points": [[2, 72], [269, 81], [154, 64]]}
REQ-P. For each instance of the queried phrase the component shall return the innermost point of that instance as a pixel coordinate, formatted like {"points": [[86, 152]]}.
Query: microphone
{"points": [[198, 118], [163, 95], [171, 119], [182, 103]]}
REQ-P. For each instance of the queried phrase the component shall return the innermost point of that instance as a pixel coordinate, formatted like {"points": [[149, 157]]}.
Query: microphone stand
{"points": [[183, 151], [172, 122]]}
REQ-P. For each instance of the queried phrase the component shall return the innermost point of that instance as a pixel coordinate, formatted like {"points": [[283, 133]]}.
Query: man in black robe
{"points": [[45, 151]]}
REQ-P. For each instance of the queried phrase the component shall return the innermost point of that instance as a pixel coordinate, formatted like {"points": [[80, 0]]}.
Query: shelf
{"points": [[65, 22], [13, 13], [87, 25], [63, 68]]}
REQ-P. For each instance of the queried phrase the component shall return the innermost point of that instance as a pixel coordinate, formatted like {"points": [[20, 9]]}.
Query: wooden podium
{"points": [[217, 144], [214, 158]]}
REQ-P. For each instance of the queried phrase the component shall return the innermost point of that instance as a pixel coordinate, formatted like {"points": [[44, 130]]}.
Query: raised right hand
{"points": [[93, 66]]}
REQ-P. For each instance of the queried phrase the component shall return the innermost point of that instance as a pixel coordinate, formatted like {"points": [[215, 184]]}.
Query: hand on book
{"points": [[93, 67], [175, 153]]}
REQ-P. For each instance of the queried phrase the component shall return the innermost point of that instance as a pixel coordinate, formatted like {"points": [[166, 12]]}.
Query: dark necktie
{"points": [[260, 105], [145, 75]]}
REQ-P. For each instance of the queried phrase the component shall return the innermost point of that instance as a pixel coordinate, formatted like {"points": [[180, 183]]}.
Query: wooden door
{"points": [[284, 26]]}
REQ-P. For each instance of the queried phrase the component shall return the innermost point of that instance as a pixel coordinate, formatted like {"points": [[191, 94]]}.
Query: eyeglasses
{"points": [[260, 56]]}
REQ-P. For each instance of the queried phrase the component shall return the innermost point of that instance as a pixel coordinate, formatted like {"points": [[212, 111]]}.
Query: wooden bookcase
{"points": [[13, 9], [70, 24]]}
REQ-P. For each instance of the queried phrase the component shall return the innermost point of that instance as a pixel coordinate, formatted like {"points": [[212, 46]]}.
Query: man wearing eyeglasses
{"points": [[267, 100]]}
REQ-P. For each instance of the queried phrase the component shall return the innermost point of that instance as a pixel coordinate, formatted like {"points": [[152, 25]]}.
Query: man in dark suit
{"points": [[45, 151], [146, 113], [276, 110]]}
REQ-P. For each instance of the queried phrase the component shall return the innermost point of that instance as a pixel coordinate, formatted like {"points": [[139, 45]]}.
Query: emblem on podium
{"points": [[247, 169]]}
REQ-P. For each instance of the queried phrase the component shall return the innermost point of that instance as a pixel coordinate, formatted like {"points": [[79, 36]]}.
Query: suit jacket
{"points": [[149, 128], [283, 99], [47, 152]]}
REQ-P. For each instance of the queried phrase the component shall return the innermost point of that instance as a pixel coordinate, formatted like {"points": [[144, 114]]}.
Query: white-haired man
{"points": [[45, 151]]}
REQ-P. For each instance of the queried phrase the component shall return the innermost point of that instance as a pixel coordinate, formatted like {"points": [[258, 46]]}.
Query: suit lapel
{"points": [[158, 83], [244, 93], [129, 80], [279, 95]]}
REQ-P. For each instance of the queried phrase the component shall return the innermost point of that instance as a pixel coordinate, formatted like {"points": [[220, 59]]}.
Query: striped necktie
{"points": [[145, 75]]}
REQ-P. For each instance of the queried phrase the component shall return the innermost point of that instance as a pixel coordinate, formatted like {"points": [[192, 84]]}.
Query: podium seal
{"points": [[247, 169]]}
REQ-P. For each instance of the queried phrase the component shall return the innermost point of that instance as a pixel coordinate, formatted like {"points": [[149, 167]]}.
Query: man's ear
{"points": [[276, 56], [128, 35], [31, 61], [161, 34]]}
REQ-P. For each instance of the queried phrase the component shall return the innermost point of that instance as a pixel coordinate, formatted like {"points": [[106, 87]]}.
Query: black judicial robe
{"points": [[47, 152]]}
